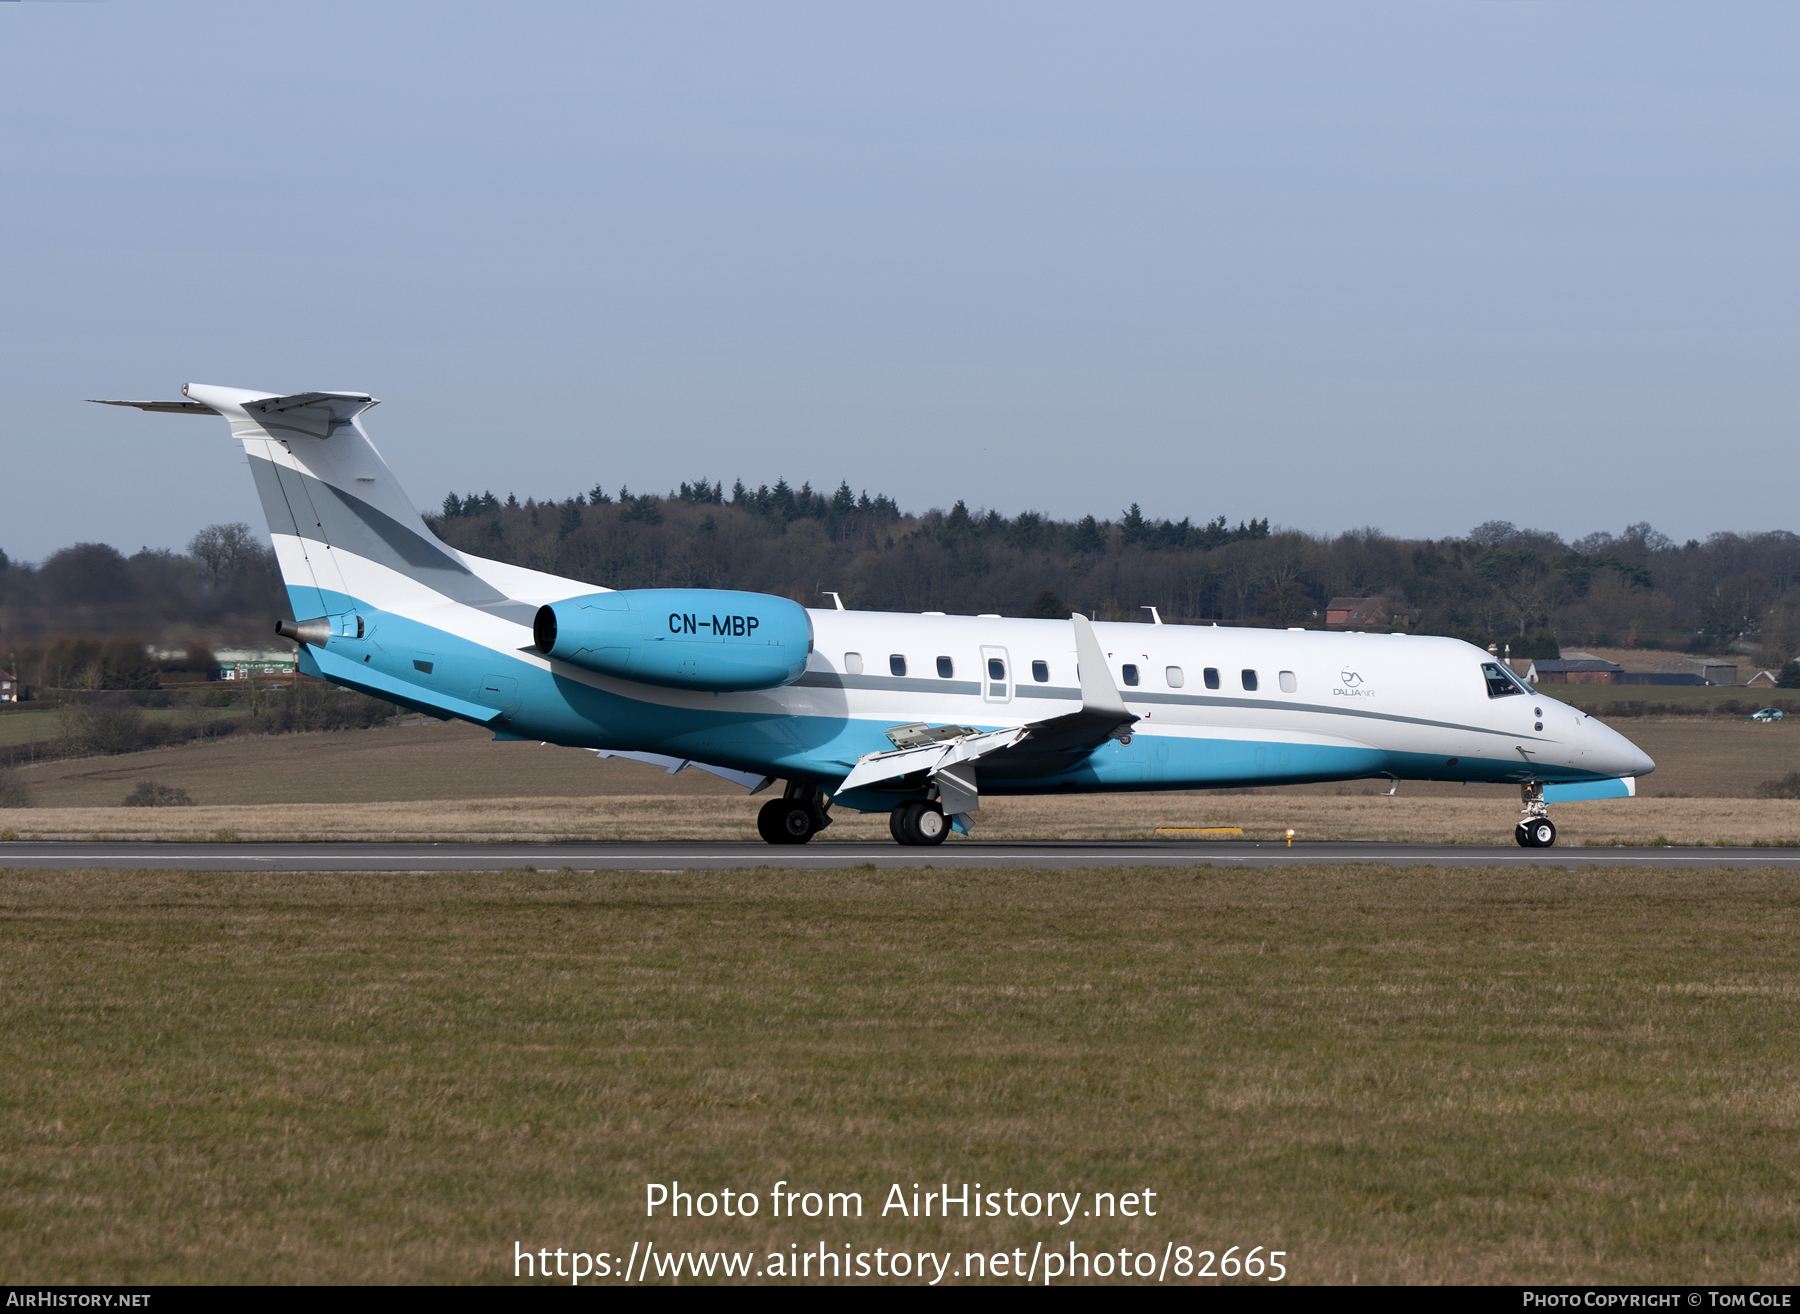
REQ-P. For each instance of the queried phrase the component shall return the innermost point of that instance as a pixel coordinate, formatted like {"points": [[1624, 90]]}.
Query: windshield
{"points": [[1500, 681]]}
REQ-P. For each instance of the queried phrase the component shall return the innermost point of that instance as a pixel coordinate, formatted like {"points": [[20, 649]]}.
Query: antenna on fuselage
{"points": [[827, 593], [1155, 615]]}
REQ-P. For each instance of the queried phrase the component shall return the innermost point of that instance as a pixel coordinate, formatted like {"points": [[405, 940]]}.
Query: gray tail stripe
{"points": [[351, 524]]}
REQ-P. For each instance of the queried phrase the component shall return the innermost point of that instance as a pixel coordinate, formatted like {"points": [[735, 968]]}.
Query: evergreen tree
{"points": [[1131, 527]]}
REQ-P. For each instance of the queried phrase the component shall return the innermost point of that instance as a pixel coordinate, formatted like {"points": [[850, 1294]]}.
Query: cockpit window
{"points": [[1501, 682]]}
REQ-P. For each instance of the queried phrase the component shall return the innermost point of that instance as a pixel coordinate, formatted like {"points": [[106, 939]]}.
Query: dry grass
{"points": [[1696, 757], [1477, 817], [1394, 1075], [452, 781]]}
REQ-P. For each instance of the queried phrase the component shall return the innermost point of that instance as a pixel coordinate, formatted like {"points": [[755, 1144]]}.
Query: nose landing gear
{"points": [[1536, 831], [1539, 834]]}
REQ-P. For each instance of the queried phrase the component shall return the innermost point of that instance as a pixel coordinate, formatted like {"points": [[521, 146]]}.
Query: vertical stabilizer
{"points": [[343, 528]]}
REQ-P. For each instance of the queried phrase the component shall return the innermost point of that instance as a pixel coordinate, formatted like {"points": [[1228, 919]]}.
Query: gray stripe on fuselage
{"points": [[829, 679], [351, 524], [889, 683]]}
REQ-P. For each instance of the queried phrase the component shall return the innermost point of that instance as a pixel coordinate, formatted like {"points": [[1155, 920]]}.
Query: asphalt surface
{"points": [[684, 856]]}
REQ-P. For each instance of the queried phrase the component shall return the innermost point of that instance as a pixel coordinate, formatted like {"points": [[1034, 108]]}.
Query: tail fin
{"points": [[344, 530]]}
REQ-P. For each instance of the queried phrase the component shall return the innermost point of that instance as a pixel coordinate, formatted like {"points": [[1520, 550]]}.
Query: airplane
{"points": [[917, 716]]}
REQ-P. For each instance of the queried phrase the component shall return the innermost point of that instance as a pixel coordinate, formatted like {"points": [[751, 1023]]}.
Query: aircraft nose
{"points": [[1618, 756]]}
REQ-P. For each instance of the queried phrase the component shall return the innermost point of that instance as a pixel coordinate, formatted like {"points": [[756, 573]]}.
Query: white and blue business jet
{"points": [[915, 716]]}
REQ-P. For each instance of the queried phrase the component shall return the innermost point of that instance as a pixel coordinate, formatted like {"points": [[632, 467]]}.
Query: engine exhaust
{"points": [[315, 631]]}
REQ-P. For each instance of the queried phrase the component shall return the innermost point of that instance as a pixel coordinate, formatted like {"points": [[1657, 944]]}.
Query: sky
{"points": [[1409, 265]]}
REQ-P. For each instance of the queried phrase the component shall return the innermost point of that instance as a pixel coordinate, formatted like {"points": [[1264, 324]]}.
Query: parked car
{"points": [[1767, 714]]}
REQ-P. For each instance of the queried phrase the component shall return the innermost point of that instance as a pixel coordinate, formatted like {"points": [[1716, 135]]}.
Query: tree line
{"points": [[72, 613], [1497, 583], [85, 616]]}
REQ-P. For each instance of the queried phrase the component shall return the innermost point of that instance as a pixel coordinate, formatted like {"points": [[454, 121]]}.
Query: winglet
{"points": [[1098, 692]]}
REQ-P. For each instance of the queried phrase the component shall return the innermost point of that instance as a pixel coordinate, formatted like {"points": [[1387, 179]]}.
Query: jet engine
{"points": [[715, 640]]}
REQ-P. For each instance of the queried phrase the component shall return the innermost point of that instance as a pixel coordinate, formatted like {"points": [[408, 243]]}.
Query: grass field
{"points": [[1697, 758], [44, 726], [1393, 1075], [1472, 817], [454, 781], [1624, 702]]}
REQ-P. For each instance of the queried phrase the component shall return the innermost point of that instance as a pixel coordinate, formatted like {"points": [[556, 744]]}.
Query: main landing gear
{"points": [[794, 818], [1536, 830], [919, 822]]}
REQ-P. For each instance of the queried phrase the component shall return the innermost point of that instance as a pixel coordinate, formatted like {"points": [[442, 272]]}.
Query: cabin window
{"points": [[1130, 674], [996, 669], [1211, 675], [1288, 683], [1249, 681], [946, 668], [897, 664], [1500, 682], [1040, 671], [1173, 676]]}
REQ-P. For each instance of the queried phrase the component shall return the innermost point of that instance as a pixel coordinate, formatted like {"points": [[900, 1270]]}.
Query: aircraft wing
{"points": [[676, 765], [929, 758], [1020, 749]]}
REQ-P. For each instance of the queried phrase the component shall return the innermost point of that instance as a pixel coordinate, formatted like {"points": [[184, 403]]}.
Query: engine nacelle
{"points": [[715, 640]]}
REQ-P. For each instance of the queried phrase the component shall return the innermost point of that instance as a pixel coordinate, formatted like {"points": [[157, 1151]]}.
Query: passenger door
{"points": [[996, 676]]}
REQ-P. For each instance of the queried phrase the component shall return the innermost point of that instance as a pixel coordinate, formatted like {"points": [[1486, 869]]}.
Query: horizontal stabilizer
{"points": [[301, 400], [168, 407]]}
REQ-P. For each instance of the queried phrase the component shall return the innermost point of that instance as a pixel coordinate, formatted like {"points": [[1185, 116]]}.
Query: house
{"points": [[245, 663], [1576, 670], [9, 687], [1763, 680], [1710, 669], [1370, 612]]}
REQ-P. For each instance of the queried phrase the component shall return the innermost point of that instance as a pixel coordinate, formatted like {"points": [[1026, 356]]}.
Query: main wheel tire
{"points": [[926, 823], [897, 824], [1543, 833], [787, 821], [1523, 836]]}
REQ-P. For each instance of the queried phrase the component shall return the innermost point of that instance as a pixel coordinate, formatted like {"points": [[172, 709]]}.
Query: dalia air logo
{"points": [[1350, 685]]}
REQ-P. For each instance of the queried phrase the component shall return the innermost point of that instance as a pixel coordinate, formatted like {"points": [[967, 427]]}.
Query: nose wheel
{"points": [[1535, 833], [1535, 830]]}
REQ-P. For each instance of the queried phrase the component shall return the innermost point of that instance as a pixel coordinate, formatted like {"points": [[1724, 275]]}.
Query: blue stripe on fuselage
{"points": [[436, 671]]}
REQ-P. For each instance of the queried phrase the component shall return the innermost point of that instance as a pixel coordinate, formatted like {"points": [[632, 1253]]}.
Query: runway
{"points": [[827, 854]]}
